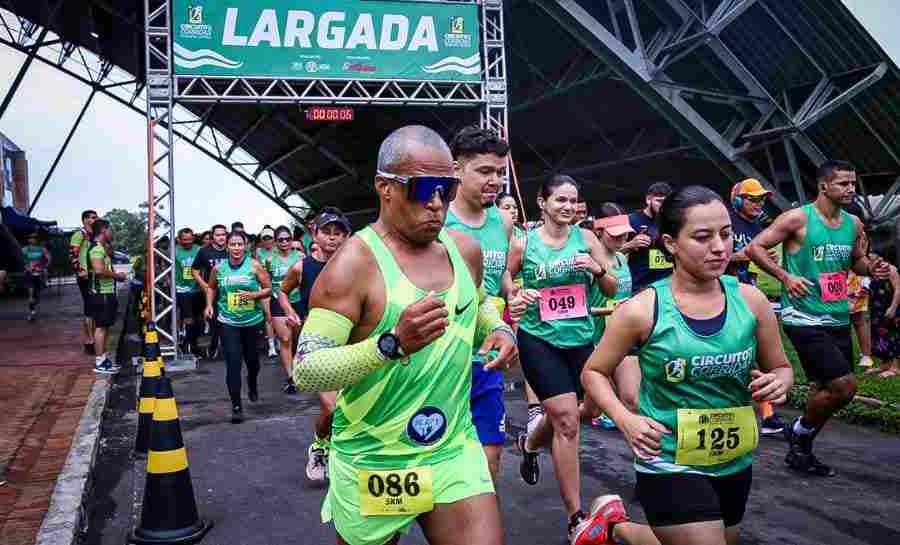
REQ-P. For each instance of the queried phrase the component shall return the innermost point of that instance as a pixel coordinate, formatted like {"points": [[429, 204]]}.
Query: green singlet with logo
{"points": [[99, 285], [552, 272], [232, 280], [623, 292], [34, 257], [278, 268], [823, 259], [184, 262], [263, 255], [494, 246], [697, 386], [417, 413]]}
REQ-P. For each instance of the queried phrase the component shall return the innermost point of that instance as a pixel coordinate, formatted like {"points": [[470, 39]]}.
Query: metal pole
{"points": [[62, 150], [22, 71]]}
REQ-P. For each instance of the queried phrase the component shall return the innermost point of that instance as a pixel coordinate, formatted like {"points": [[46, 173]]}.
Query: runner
{"points": [[204, 263], [189, 299], [37, 259], [278, 264], [237, 226], [103, 303], [399, 349], [702, 335], [78, 249], [331, 230], [206, 239], [821, 244], [581, 211], [559, 263], [508, 206], [235, 287], [748, 199], [263, 253], [480, 163], [645, 259], [612, 229]]}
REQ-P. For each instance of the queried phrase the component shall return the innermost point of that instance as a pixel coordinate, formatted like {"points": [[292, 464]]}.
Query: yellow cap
{"points": [[751, 186]]}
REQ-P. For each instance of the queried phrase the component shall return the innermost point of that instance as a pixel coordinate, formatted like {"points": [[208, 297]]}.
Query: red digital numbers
{"points": [[329, 113]]}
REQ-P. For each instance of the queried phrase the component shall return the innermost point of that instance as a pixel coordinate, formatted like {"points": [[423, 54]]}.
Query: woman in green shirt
{"points": [[709, 348], [278, 264], [236, 287], [36, 258]]}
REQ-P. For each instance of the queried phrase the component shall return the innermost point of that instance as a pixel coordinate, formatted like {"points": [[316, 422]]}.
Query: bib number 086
{"points": [[393, 485]]}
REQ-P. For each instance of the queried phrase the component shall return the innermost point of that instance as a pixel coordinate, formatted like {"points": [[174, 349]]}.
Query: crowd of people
{"points": [[650, 322]]}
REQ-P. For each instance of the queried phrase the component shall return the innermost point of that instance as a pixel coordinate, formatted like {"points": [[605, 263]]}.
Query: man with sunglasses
{"points": [[393, 321]]}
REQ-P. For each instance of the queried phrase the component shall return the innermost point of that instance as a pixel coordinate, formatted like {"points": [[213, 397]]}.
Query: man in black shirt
{"points": [[207, 258], [645, 258]]}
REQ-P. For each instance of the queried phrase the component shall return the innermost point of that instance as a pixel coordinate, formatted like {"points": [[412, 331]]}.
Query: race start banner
{"points": [[327, 39]]}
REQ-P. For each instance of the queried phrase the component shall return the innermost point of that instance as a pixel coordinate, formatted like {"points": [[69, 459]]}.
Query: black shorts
{"points": [[190, 305], [551, 370], [278, 312], [826, 353], [104, 308], [670, 499], [85, 295]]}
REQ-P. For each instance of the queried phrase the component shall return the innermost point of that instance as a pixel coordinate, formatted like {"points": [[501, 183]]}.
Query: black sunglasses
{"points": [[283, 239], [422, 188]]}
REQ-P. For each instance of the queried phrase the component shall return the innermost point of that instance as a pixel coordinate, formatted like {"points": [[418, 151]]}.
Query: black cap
{"points": [[325, 218]]}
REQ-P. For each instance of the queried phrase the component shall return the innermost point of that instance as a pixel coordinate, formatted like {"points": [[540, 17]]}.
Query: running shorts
{"points": [[278, 312], [458, 478], [85, 295], [551, 370], [858, 293], [825, 353], [103, 307], [670, 499], [190, 305], [488, 412]]}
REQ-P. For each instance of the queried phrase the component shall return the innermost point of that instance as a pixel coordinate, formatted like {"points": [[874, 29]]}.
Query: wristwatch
{"points": [[389, 346]]}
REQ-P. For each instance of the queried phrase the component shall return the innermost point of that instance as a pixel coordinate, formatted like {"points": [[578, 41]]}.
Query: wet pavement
{"points": [[250, 478]]}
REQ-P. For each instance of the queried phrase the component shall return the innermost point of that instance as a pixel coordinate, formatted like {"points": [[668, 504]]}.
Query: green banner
{"points": [[327, 39]]}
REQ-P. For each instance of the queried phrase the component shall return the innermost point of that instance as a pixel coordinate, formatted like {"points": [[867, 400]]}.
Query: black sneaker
{"points": [[529, 468], [253, 394], [800, 457], [771, 425], [289, 387], [237, 414], [576, 519], [106, 367]]}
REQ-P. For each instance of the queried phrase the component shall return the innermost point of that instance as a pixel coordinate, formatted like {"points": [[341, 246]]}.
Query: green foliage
{"points": [[129, 230]]}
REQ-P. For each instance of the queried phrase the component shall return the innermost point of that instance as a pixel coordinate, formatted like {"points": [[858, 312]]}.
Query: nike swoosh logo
{"points": [[461, 310]]}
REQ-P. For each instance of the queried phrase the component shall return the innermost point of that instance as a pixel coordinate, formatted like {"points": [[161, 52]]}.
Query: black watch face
{"points": [[387, 343]]}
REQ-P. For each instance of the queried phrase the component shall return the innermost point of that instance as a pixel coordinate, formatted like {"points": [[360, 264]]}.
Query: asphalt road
{"points": [[250, 479]]}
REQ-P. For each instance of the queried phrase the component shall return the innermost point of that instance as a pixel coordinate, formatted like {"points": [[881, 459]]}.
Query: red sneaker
{"points": [[595, 529]]}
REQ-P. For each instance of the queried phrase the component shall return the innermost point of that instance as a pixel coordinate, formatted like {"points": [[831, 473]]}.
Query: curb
{"points": [[65, 515]]}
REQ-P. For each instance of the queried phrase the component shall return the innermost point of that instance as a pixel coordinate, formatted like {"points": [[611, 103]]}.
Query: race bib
{"points": [[714, 436], [563, 302], [657, 260], [187, 273], [395, 492], [236, 305], [833, 286]]}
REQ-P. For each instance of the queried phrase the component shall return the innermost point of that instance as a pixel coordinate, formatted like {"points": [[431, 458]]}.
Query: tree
{"points": [[129, 230]]}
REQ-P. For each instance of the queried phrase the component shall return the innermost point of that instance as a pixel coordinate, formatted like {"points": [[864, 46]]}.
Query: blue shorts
{"points": [[488, 412]]}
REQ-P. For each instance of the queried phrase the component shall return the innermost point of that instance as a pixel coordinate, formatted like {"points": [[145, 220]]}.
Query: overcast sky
{"points": [[104, 166]]}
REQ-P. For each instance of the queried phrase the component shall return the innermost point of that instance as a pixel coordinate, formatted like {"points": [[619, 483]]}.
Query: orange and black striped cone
{"points": [[169, 513]]}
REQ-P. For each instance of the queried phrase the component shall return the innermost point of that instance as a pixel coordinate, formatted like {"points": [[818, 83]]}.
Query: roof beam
{"points": [[281, 158], [263, 117], [324, 151], [319, 185], [721, 23], [843, 98]]}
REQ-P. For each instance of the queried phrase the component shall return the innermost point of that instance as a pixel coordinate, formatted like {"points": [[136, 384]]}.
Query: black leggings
{"points": [[36, 283], [239, 343]]}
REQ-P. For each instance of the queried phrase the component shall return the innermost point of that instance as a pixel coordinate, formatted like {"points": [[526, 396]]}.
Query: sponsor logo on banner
{"points": [[359, 67], [195, 28], [457, 37]]}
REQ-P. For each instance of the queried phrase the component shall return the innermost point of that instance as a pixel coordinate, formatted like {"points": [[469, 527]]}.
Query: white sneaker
{"points": [[317, 464], [106, 367], [866, 361], [272, 352]]}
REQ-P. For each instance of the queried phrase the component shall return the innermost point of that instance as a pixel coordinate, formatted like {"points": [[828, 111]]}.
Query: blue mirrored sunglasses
{"points": [[422, 188]]}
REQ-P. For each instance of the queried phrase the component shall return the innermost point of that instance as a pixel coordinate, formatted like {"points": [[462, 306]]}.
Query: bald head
{"points": [[402, 145]]}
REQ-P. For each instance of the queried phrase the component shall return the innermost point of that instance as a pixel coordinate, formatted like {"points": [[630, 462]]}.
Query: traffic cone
{"points": [[151, 347], [169, 513], [146, 403]]}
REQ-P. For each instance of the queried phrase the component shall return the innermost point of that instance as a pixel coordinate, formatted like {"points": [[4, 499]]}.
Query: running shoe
{"points": [[771, 425], [237, 414], [289, 387], [535, 413], [596, 528], [530, 468], [106, 367], [272, 352], [866, 361], [253, 394], [317, 463], [31, 315], [575, 520], [800, 457]]}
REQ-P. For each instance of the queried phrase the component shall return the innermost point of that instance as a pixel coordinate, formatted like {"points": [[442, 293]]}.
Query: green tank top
{"points": [[623, 291], [824, 260], [494, 246], [545, 267], [278, 268], [231, 281], [98, 284], [683, 370], [33, 257], [263, 255], [407, 415], [184, 262]]}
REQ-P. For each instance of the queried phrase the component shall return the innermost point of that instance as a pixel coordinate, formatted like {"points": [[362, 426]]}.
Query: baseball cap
{"points": [[751, 186], [325, 218], [267, 232], [614, 225]]}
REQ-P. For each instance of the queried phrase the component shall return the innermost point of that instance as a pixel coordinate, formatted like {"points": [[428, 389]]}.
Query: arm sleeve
{"points": [[488, 319], [324, 362]]}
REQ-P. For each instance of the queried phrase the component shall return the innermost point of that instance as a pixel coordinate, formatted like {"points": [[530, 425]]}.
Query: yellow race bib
{"points": [[395, 492], [657, 260], [715, 436], [187, 273], [236, 305]]}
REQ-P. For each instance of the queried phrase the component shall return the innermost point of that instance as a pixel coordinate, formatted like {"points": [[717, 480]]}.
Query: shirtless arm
{"points": [[605, 279], [774, 378], [787, 227], [265, 282], [290, 283], [862, 262], [210, 291]]}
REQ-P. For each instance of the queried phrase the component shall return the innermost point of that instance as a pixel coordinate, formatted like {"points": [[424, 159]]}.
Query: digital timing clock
{"points": [[329, 113]]}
